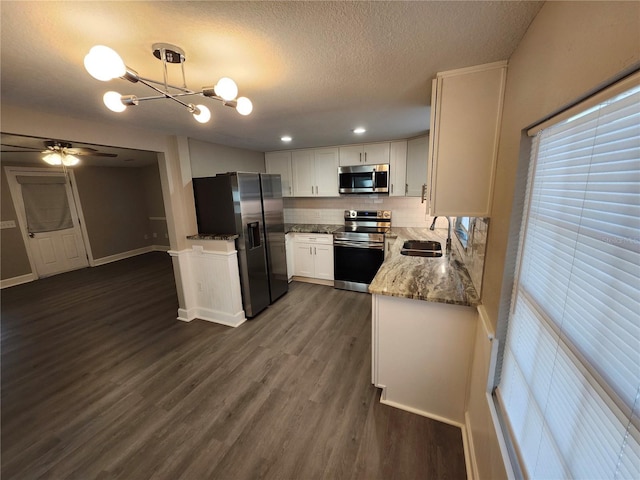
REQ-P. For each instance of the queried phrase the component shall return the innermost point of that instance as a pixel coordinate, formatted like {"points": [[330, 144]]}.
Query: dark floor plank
{"points": [[99, 380]]}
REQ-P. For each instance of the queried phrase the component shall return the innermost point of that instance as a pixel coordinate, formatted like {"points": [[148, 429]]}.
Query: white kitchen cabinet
{"points": [[315, 172], [417, 158], [421, 355], [280, 163], [313, 256], [466, 110], [369, 153], [398, 168]]}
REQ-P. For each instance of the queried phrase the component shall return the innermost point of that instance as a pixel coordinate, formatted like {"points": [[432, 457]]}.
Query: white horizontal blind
{"points": [[570, 383]]}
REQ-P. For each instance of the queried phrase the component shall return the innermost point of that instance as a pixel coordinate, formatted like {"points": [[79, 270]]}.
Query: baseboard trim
{"points": [[317, 281], [19, 280], [121, 256], [160, 248], [422, 413], [469, 449], [213, 316]]}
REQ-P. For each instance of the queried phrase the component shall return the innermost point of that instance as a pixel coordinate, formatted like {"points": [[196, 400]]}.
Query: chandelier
{"points": [[105, 64]]}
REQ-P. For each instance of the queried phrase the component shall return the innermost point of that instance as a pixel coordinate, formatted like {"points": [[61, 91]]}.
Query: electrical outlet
{"points": [[155, 235]]}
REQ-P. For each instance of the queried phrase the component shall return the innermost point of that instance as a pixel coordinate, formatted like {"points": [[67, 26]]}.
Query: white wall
{"points": [[208, 159]]}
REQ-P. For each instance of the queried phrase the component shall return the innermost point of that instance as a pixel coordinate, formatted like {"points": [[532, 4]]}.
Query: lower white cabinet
{"points": [[313, 256], [422, 353]]}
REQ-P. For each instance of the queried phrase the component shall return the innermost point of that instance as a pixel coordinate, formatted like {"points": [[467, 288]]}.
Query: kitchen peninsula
{"points": [[424, 323]]}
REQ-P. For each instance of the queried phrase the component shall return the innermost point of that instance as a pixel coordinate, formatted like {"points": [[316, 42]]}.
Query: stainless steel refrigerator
{"points": [[249, 205]]}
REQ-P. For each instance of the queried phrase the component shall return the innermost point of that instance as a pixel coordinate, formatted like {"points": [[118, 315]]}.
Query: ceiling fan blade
{"points": [[24, 149], [81, 150], [19, 151]]}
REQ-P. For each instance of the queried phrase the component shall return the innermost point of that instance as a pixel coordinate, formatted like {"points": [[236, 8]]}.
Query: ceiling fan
{"points": [[59, 153]]}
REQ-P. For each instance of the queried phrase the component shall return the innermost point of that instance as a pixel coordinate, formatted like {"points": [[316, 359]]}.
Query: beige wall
{"points": [[208, 159], [13, 254], [569, 49], [114, 203]]}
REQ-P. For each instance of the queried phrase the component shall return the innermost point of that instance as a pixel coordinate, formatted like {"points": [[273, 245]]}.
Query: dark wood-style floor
{"points": [[100, 381]]}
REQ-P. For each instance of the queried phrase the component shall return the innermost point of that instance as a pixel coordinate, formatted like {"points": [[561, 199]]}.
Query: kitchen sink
{"points": [[422, 245], [421, 248]]}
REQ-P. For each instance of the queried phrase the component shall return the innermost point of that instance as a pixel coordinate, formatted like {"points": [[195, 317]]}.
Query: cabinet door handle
{"points": [[316, 189], [289, 190], [424, 189], [392, 188], [314, 251], [365, 157], [406, 188], [360, 157], [311, 189], [310, 252]]}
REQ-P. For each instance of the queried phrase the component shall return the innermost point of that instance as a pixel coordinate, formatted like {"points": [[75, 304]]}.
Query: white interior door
{"points": [[48, 218]]}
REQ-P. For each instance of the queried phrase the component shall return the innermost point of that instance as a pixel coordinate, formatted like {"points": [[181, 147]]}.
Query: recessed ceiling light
{"points": [[286, 138], [359, 130]]}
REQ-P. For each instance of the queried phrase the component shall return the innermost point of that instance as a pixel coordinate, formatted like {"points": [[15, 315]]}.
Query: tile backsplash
{"points": [[473, 255], [405, 211]]}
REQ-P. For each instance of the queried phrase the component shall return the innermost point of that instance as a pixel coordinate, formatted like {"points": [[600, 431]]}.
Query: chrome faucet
{"points": [[433, 225]]}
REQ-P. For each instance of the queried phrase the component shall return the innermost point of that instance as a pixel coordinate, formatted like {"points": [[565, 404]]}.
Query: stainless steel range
{"points": [[358, 248]]}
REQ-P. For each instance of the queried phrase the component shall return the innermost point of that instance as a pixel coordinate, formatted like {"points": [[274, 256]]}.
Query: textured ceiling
{"points": [[314, 70]]}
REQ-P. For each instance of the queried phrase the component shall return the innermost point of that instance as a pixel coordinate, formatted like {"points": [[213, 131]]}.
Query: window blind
{"points": [[570, 381]]}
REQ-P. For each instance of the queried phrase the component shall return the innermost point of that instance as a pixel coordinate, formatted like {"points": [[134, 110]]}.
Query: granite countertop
{"points": [[441, 279], [311, 228], [213, 236]]}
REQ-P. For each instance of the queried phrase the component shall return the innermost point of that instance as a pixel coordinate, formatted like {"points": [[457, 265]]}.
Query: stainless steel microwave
{"points": [[364, 179]]}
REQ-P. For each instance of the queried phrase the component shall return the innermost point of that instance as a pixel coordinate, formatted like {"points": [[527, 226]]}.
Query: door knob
{"points": [[31, 235]]}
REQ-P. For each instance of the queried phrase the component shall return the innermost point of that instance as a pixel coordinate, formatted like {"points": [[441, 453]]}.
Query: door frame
{"points": [[18, 204]]}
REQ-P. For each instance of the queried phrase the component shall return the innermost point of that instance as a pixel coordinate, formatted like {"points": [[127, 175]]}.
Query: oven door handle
{"points": [[371, 246]]}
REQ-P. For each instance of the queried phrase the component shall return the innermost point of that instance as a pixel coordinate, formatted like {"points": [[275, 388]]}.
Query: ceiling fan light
{"points": [[113, 101], [70, 160], [104, 64], [201, 113], [53, 158], [226, 88], [244, 106]]}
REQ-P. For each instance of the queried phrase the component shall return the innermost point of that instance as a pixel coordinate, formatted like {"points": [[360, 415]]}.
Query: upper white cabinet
{"points": [[370, 153], [417, 159], [315, 172], [398, 168], [466, 110], [280, 163]]}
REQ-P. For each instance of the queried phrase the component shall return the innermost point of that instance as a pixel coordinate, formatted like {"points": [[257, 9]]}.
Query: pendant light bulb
{"points": [[201, 113], [53, 158], [70, 160], [113, 101], [226, 88], [104, 64], [244, 106]]}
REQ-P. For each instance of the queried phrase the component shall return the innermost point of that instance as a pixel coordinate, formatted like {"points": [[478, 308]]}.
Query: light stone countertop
{"points": [[434, 279]]}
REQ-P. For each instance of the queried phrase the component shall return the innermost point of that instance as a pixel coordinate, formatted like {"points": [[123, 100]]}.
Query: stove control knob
{"points": [[386, 214]]}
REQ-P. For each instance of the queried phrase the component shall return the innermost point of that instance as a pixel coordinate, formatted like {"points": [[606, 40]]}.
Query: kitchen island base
{"points": [[421, 355]]}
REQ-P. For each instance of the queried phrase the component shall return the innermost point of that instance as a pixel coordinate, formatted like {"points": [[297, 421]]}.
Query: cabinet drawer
{"points": [[325, 239]]}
